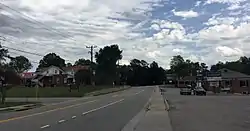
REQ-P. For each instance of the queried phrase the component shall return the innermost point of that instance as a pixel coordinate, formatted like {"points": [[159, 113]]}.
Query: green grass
{"points": [[57, 91], [10, 104]]}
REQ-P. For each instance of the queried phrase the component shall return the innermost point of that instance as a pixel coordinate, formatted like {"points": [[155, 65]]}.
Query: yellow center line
{"points": [[48, 111]]}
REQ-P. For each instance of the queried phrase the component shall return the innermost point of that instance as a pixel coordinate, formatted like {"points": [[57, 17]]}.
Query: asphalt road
{"points": [[108, 112], [209, 113]]}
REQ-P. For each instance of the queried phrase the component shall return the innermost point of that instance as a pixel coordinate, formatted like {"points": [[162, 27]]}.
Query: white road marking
{"points": [[46, 126], [61, 121], [67, 101], [73, 117], [139, 92], [93, 110]]}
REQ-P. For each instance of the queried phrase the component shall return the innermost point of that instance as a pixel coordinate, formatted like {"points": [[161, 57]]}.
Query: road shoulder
{"points": [[155, 117]]}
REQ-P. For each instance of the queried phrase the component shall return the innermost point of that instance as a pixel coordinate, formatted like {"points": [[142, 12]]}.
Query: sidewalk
{"points": [[156, 118]]}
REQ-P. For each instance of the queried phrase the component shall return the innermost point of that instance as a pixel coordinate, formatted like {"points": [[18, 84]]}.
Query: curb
{"points": [[19, 108], [132, 124], [104, 93]]}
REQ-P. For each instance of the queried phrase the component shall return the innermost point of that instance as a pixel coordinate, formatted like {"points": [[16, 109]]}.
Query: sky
{"points": [[153, 30]]}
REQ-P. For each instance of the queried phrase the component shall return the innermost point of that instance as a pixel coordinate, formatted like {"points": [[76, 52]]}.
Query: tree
{"points": [[83, 62], [106, 59], [3, 55], [3, 73], [242, 65], [157, 74], [52, 59], [20, 64], [69, 65], [179, 66], [83, 77]]}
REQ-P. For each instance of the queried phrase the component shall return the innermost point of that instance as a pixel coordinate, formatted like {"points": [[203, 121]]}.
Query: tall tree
{"points": [[69, 65], [83, 77], [3, 55], [179, 66], [20, 64], [83, 62], [52, 59], [106, 60]]}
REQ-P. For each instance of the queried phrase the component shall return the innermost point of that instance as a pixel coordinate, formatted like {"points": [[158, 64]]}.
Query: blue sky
{"points": [[153, 30]]}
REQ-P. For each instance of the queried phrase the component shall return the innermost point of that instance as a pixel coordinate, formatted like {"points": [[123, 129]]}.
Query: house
{"points": [[237, 82], [70, 71], [55, 76], [26, 78]]}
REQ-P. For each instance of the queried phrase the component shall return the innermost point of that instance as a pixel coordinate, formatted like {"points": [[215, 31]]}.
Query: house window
{"points": [[181, 82], [244, 83], [55, 71], [187, 82], [228, 83]]}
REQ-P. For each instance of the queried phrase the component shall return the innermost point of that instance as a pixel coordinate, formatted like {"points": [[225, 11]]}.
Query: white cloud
{"points": [[224, 1], [186, 14], [224, 20], [178, 51], [197, 3], [130, 24], [155, 27], [228, 52], [153, 54], [234, 6]]}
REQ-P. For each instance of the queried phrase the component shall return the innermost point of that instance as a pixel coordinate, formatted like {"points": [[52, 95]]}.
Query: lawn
{"points": [[59, 91]]}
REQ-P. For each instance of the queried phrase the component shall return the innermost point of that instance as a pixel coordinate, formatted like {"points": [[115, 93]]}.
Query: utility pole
{"points": [[91, 52], [91, 64]]}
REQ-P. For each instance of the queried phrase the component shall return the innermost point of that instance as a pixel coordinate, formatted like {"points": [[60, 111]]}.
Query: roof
{"points": [[46, 68], [76, 68], [28, 74], [226, 73]]}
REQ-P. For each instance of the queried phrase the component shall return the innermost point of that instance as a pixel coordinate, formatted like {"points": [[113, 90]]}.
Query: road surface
{"points": [[208, 113], [109, 112]]}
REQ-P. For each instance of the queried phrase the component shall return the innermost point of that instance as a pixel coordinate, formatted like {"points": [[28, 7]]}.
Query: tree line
{"points": [[108, 71], [185, 67]]}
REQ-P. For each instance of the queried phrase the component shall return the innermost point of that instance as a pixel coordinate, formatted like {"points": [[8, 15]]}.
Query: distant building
{"points": [[187, 80], [237, 82]]}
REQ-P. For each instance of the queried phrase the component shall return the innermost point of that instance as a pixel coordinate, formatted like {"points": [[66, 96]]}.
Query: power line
{"points": [[10, 57], [22, 51], [30, 19]]}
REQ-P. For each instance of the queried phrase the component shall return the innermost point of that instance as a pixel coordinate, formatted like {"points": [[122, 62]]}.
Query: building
{"points": [[235, 81], [26, 78], [50, 76], [70, 71], [187, 80], [55, 76]]}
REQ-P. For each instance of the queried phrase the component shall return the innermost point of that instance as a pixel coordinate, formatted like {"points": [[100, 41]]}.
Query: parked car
{"points": [[186, 90], [200, 91]]}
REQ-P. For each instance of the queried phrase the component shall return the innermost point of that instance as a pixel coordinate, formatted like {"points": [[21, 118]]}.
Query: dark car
{"points": [[200, 91], [186, 90]]}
